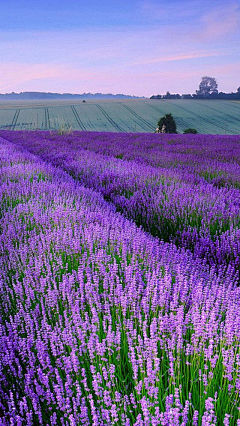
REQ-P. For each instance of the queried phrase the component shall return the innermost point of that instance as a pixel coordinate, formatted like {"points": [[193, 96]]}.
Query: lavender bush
{"points": [[181, 188], [100, 322]]}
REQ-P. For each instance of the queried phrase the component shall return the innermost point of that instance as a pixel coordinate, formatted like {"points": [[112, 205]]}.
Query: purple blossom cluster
{"points": [[181, 188], [102, 323]]}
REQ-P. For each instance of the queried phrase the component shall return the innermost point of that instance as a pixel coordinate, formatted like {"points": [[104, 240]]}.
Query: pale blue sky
{"points": [[139, 47]]}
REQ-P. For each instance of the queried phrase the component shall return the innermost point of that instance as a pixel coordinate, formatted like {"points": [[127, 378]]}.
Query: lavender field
{"points": [[120, 287]]}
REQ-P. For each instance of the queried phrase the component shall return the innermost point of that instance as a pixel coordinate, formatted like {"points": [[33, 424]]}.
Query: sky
{"points": [[136, 47]]}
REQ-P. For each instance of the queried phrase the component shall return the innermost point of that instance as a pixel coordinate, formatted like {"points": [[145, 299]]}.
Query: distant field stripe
{"points": [[127, 125], [157, 108], [13, 121], [15, 118], [206, 119], [78, 119], [114, 124], [225, 115], [182, 123], [144, 123], [180, 120], [233, 106], [46, 119]]}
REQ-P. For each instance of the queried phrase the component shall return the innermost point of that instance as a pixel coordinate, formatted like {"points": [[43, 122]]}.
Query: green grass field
{"points": [[212, 116]]}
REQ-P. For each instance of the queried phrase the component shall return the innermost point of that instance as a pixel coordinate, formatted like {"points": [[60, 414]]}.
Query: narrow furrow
{"points": [[114, 124], [146, 125], [78, 120], [15, 118]]}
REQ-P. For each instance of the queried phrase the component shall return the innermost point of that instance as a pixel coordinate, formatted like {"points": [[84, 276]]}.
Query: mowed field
{"points": [[208, 117]]}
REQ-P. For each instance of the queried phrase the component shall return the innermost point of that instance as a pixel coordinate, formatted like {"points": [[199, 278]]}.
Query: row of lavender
{"points": [[100, 323], [215, 158], [182, 189]]}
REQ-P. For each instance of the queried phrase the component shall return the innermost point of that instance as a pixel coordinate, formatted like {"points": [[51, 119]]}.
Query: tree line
{"points": [[208, 89]]}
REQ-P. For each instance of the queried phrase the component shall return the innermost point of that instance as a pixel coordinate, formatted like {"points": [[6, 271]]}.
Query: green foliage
{"points": [[167, 124], [190, 130]]}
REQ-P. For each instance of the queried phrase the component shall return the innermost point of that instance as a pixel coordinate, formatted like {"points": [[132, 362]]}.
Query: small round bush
{"points": [[190, 130]]}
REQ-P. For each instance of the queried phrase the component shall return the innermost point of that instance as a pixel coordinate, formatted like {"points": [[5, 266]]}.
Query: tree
{"points": [[167, 124], [190, 130], [238, 90], [207, 86]]}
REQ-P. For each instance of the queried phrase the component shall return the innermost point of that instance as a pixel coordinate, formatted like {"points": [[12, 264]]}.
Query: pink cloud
{"points": [[17, 75], [181, 57]]}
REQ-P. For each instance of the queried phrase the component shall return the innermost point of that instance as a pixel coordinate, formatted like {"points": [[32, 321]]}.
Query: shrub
{"points": [[190, 130]]}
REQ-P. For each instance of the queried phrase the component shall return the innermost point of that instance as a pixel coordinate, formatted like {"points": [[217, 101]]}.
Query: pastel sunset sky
{"points": [[136, 47]]}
